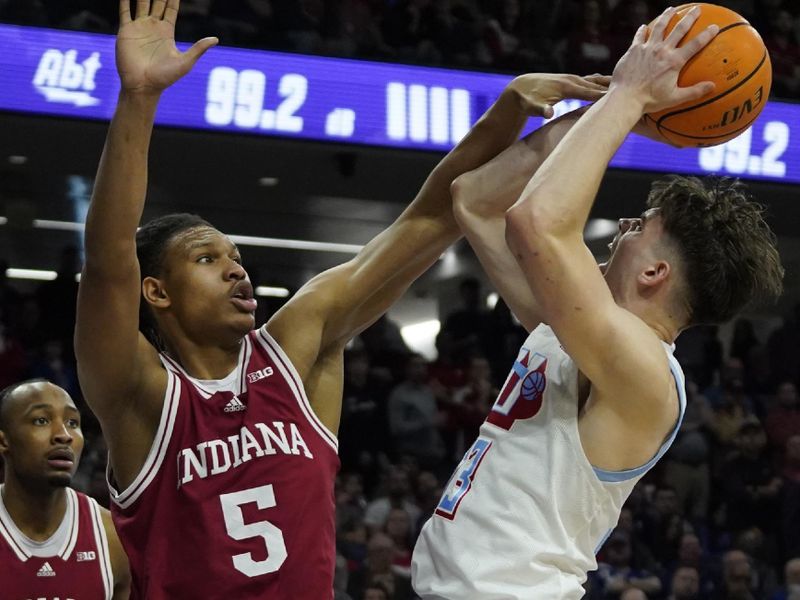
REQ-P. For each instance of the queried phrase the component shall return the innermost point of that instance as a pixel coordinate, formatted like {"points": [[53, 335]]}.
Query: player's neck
{"points": [[36, 511], [204, 361]]}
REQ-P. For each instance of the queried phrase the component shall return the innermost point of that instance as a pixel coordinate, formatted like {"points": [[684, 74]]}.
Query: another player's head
{"points": [[192, 281], [709, 240], [40, 434]]}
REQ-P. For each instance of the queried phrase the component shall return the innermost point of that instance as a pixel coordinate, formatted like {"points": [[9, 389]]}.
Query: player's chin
{"points": [[60, 479]]}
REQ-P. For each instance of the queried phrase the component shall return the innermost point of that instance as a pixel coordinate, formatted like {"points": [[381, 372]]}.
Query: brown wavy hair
{"points": [[727, 250]]}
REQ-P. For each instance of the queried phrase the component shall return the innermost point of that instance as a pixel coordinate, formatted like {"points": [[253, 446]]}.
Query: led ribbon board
{"points": [[72, 74]]}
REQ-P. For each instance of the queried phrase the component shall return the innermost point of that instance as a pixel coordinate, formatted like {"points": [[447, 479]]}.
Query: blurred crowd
{"points": [[718, 518], [577, 36]]}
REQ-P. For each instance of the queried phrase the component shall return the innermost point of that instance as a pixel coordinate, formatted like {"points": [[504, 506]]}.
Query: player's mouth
{"points": [[61, 458], [242, 297]]}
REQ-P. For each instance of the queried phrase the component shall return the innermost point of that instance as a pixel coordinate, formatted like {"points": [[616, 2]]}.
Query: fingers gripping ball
{"points": [[737, 61]]}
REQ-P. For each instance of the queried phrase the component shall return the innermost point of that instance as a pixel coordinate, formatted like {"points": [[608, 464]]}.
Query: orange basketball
{"points": [[737, 61]]}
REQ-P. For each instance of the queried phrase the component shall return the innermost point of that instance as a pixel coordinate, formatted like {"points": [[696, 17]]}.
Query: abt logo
{"points": [[61, 78]]}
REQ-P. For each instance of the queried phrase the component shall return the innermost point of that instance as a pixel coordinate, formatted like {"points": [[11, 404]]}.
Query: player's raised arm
{"points": [[339, 303], [113, 357], [544, 229], [482, 197]]}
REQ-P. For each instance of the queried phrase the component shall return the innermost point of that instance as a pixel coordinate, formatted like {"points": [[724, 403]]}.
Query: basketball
{"points": [[737, 61]]}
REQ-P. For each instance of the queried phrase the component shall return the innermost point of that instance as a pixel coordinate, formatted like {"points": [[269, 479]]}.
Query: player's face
{"points": [[206, 282], [634, 239], [42, 439]]}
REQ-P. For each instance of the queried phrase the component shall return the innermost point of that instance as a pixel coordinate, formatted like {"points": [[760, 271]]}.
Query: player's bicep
{"points": [[603, 338], [486, 236], [112, 354]]}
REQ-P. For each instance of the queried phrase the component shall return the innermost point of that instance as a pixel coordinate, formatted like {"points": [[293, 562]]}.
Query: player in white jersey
{"points": [[595, 396]]}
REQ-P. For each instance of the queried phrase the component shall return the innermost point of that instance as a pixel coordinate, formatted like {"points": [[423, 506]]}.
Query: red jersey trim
{"points": [[158, 449], [296, 385], [101, 543]]}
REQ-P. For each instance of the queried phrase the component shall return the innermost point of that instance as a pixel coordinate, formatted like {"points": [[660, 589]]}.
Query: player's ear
{"points": [[3, 442], [155, 293], [654, 273]]}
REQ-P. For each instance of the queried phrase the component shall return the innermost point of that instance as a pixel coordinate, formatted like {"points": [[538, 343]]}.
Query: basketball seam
{"points": [[722, 95], [708, 137]]}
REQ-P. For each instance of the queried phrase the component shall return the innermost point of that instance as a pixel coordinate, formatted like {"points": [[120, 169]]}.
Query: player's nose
{"points": [[61, 435]]}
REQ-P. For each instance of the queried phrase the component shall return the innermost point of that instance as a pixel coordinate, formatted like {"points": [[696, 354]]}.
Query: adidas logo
{"points": [[46, 571], [235, 405]]}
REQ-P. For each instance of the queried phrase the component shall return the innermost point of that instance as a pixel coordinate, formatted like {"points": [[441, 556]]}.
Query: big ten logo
{"points": [[84, 556], [61, 77]]}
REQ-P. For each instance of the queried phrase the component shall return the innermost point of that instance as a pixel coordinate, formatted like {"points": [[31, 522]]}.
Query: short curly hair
{"points": [[727, 250]]}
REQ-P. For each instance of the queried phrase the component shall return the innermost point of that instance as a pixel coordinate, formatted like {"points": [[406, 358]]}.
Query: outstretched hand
{"points": [[538, 92], [649, 69], [147, 59]]}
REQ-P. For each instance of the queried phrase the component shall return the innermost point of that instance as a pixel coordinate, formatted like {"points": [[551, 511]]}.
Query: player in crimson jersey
{"points": [[222, 438], [54, 542]]}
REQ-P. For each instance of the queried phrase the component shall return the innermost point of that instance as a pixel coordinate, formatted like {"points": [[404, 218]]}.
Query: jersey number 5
{"points": [[264, 498]]}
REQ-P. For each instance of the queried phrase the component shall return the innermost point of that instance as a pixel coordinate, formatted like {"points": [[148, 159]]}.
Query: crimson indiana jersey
{"points": [[235, 499], [73, 564]]}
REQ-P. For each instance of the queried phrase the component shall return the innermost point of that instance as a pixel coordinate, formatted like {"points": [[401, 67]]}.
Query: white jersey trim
{"points": [[291, 376], [158, 449], [233, 382], [101, 542], [72, 538], [25, 548]]}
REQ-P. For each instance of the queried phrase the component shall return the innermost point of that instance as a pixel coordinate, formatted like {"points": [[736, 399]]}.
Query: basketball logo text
{"points": [[737, 113]]}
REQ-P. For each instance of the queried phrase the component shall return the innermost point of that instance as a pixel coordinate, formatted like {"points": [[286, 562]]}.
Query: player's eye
{"points": [[74, 423], [40, 421], [205, 259], [237, 260]]}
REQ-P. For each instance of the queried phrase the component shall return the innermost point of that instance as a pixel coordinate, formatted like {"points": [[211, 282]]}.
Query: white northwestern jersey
{"points": [[525, 512]]}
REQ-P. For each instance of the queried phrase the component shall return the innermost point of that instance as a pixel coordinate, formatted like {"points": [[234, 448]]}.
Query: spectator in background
{"points": [[791, 582], [731, 411], [685, 584], [686, 467], [414, 417], [692, 556], [52, 364], [469, 325], [784, 52], [399, 528], [363, 432], [737, 578], [376, 591], [384, 344], [397, 494], [663, 525], [784, 348], [590, 48], [750, 483], [470, 405], [783, 417], [790, 498], [616, 572], [633, 594], [377, 569]]}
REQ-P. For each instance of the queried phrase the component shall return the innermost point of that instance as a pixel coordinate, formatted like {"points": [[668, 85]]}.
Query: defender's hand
{"points": [[648, 71], [147, 59], [538, 92]]}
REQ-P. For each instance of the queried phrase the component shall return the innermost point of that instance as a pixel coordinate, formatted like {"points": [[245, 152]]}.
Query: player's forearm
{"points": [[495, 131], [494, 187], [559, 197], [121, 183]]}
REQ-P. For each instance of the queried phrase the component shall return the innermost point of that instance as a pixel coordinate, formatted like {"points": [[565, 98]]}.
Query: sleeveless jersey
{"points": [[235, 499], [74, 564], [525, 512]]}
